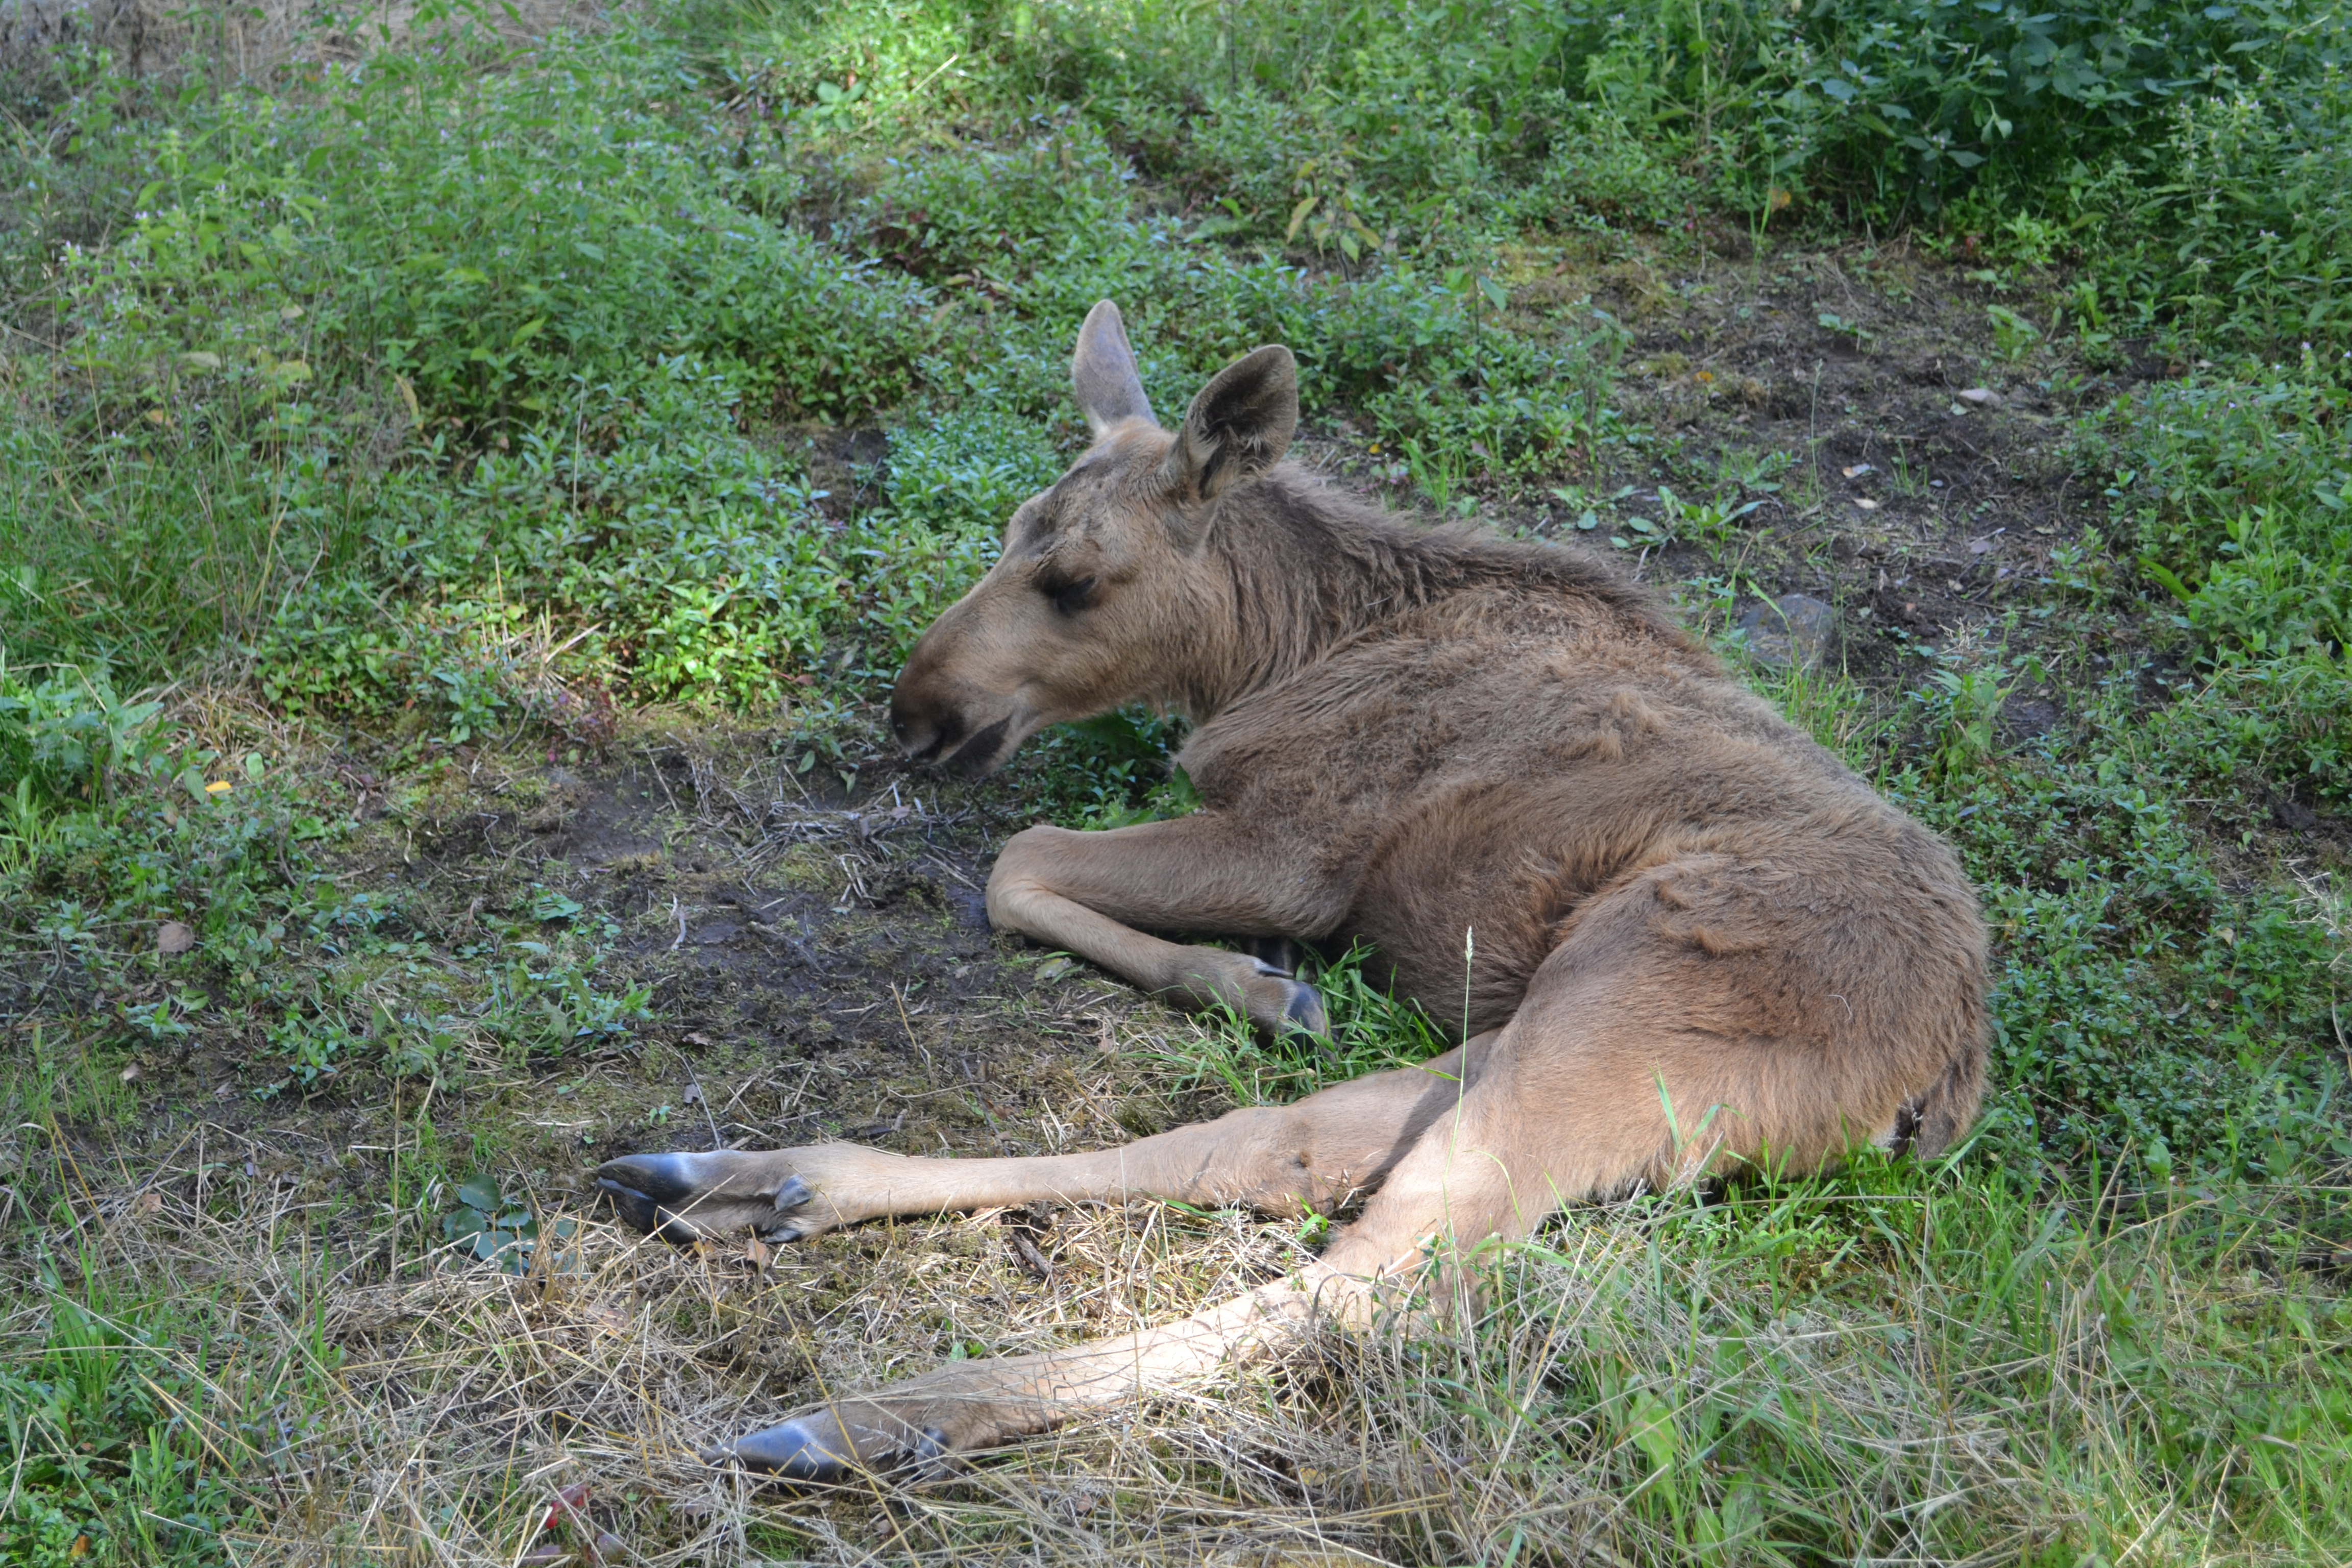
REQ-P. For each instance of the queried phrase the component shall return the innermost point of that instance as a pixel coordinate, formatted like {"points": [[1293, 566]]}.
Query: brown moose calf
{"points": [[1700, 941]]}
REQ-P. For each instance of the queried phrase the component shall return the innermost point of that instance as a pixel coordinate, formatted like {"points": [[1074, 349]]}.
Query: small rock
{"points": [[1981, 397], [1054, 968], [1795, 628], [173, 937], [1857, 470]]}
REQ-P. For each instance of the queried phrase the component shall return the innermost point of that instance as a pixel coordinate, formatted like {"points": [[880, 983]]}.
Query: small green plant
{"points": [[70, 736], [489, 1227], [1963, 707], [544, 1001], [28, 834], [315, 1048], [1439, 470], [1715, 524], [2012, 334], [1854, 332]]}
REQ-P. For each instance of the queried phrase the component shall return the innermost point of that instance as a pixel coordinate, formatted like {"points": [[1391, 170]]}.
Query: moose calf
{"points": [[1700, 941]]}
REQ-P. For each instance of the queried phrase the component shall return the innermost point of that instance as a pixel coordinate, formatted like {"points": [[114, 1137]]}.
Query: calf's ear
{"points": [[1103, 370], [1238, 427]]}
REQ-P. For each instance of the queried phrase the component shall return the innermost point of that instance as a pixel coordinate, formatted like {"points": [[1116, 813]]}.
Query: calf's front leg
{"points": [[1087, 893]]}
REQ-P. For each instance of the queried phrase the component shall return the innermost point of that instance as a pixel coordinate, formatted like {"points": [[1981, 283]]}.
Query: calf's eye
{"points": [[1071, 597]]}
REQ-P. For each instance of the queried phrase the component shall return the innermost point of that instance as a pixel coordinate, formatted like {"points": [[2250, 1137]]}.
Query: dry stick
{"points": [[396, 1086], [1814, 428], [701, 1099]]}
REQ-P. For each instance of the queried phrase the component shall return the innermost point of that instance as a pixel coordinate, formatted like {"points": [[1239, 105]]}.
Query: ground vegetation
{"points": [[467, 478]]}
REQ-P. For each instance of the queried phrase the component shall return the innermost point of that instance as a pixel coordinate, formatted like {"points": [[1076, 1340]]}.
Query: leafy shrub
{"points": [[2236, 221], [1000, 211], [2183, 458], [955, 481], [71, 736], [673, 556], [2235, 496], [2137, 998], [488, 239]]}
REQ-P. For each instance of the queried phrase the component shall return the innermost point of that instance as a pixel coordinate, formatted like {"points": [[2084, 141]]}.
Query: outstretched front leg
{"points": [[1088, 892]]}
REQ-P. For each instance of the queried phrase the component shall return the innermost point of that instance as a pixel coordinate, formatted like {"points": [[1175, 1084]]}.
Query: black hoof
{"points": [[1304, 1012], [814, 1449], [664, 1179], [642, 1212], [654, 1192]]}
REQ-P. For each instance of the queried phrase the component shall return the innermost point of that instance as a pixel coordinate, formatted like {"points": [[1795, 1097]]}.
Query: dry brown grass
{"points": [[427, 1413]]}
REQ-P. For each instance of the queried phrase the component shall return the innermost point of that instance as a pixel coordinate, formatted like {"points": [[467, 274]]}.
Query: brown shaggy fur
{"points": [[1684, 936]]}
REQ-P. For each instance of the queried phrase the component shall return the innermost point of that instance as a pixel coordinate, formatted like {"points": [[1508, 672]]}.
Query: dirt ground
{"points": [[818, 968]]}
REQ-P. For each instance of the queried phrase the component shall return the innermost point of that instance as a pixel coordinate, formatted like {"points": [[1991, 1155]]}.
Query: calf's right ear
{"points": [[1238, 426], [1103, 370]]}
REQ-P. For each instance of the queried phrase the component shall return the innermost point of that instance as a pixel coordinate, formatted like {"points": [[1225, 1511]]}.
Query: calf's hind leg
{"points": [[1278, 1158], [1629, 1062]]}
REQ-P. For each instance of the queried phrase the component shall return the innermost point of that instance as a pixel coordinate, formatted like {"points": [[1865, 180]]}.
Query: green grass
{"points": [[475, 401]]}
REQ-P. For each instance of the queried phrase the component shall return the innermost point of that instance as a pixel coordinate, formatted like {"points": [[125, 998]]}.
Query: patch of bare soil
{"points": [[1908, 471], [818, 968], [1931, 486]]}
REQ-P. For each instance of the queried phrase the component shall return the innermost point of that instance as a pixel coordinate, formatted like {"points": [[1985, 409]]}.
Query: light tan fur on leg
{"points": [[1086, 891], [1315, 1153]]}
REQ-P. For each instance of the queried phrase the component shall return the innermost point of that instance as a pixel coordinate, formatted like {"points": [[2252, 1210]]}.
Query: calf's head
{"points": [[1101, 591]]}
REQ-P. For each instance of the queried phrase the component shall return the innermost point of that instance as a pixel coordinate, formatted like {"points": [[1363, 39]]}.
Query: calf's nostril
{"points": [[931, 736]]}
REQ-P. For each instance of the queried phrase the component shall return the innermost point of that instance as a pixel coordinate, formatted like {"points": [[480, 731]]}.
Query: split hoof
{"points": [[819, 1448], [677, 1197], [652, 1193], [1280, 1004]]}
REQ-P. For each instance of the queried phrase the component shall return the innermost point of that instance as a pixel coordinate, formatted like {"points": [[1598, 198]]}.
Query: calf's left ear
{"points": [[1103, 373], [1237, 428]]}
